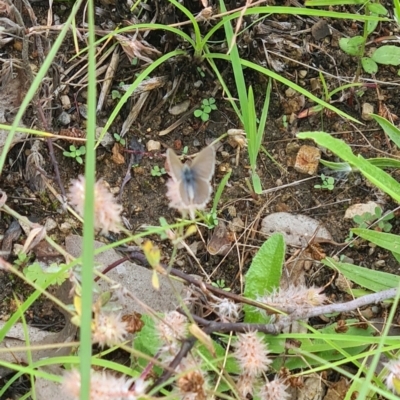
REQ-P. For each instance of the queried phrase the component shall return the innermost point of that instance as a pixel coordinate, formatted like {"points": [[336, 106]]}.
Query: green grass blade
{"points": [[36, 82], [286, 82], [237, 69], [85, 351]]}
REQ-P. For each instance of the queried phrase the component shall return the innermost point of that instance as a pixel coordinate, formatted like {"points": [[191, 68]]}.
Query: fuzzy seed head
{"points": [[106, 210], [393, 378], [252, 354], [274, 390], [103, 386], [108, 329], [173, 327], [227, 310], [294, 298], [245, 385]]}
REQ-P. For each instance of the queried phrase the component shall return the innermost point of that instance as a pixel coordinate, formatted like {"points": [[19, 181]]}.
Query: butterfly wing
{"points": [[204, 164], [175, 165]]}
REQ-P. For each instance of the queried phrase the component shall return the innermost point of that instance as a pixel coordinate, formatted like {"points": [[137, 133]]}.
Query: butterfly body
{"points": [[193, 180]]}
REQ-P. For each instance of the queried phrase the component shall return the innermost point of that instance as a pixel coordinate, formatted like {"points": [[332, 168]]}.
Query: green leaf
{"points": [[264, 274], [367, 278], [336, 166], [369, 65], [352, 46], [371, 25], [377, 8], [147, 340], [41, 276], [205, 117], [391, 130], [387, 241], [198, 113], [387, 55], [207, 109], [396, 256], [256, 183], [79, 159], [384, 162], [375, 175]]}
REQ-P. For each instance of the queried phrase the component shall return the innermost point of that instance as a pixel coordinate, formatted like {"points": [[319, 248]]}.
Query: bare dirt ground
{"points": [[295, 49]]}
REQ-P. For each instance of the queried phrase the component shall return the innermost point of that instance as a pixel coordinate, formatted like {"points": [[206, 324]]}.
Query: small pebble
{"points": [[302, 73], [65, 101], [107, 140], [307, 160], [50, 224], [367, 110], [179, 108], [196, 143], [290, 92], [83, 110], [64, 118], [153, 145], [65, 227], [380, 263]]}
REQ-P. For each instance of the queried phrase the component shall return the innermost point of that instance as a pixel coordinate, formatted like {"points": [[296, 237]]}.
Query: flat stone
{"points": [[133, 278]]}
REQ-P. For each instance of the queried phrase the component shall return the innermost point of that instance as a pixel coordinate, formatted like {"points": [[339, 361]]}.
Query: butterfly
{"points": [[193, 180]]}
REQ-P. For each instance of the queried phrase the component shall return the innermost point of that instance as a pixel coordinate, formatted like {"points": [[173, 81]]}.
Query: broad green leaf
{"points": [[387, 55], [147, 340], [369, 65], [396, 256], [391, 130], [367, 278], [374, 174], [388, 241], [371, 25], [352, 46], [264, 274]]}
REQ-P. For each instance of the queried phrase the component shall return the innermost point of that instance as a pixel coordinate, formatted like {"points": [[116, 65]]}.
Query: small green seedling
{"points": [[40, 276], [220, 284], [207, 105], [75, 153], [355, 46], [119, 139], [157, 171], [116, 94], [328, 183], [365, 220], [285, 121], [211, 219], [22, 260], [200, 71]]}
